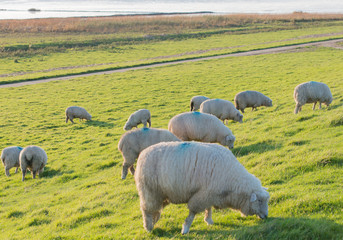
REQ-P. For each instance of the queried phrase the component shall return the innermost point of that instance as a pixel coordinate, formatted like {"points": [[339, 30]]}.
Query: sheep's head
{"points": [[239, 117], [89, 117], [268, 102], [229, 141], [127, 126], [258, 204]]}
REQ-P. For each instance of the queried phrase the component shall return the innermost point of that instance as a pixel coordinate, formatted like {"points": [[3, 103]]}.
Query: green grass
{"points": [[81, 196], [48, 53]]}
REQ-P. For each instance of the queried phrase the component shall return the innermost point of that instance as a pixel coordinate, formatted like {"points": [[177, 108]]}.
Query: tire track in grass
{"points": [[327, 43]]}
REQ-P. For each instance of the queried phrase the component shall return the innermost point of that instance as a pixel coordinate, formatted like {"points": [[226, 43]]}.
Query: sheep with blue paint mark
{"points": [[10, 158], [201, 127], [140, 116], [33, 158], [133, 142], [222, 109], [203, 175]]}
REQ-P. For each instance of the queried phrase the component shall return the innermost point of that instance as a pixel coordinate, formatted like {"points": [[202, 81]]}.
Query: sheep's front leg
{"points": [[188, 222], [16, 169], [314, 105], [320, 105], [7, 172], [208, 216]]}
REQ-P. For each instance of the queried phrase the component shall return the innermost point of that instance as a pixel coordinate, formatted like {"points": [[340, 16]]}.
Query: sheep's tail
{"points": [[192, 105]]}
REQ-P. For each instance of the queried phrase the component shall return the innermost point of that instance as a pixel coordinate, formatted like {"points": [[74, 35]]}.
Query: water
{"points": [[18, 9]]}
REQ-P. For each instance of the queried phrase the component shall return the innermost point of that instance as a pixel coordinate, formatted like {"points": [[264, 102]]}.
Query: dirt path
{"points": [[329, 43]]}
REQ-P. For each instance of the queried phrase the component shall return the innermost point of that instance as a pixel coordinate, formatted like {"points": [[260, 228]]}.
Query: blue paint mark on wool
{"points": [[196, 113], [145, 129], [20, 148], [185, 145]]}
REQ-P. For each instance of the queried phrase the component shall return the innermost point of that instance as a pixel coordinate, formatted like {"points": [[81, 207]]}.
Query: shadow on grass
{"points": [[272, 228], [99, 124], [260, 147], [50, 173]]}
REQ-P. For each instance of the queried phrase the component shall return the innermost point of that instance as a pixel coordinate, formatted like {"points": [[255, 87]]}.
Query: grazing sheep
{"points": [[252, 99], [77, 112], [133, 142], [33, 158], [201, 127], [141, 116], [311, 92], [222, 109], [10, 158], [199, 174], [196, 102]]}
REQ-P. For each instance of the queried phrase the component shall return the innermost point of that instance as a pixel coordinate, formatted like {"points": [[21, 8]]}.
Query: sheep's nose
{"points": [[262, 216]]}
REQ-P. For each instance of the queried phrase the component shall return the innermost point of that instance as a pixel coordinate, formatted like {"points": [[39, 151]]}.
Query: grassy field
{"points": [[40, 48], [81, 195]]}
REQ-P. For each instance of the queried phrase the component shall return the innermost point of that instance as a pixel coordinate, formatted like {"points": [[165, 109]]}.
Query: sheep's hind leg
{"points": [[195, 205], [314, 105], [16, 169], [320, 105]]}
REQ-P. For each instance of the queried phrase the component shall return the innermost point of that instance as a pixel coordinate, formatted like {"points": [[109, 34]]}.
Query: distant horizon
{"points": [[72, 8]]}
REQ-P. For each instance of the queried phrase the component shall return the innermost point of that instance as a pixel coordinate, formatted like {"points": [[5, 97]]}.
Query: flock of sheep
{"points": [[181, 164]]}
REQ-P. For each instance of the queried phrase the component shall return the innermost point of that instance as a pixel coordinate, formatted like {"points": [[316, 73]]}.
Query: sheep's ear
{"points": [[253, 197]]}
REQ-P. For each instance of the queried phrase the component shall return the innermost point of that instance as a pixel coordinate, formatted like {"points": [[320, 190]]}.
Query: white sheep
{"points": [[311, 92], [222, 109], [10, 158], [201, 127], [33, 158], [196, 102], [133, 142], [77, 112], [199, 174], [251, 99], [140, 116]]}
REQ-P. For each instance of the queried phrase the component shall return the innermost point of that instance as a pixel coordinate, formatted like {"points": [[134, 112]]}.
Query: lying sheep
{"points": [[252, 99], [133, 142], [141, 116], [10, 158], [222, 109], [199, 174], [201, 127], [33, 158], [311, 92], [77, 112], [196, 102]]}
